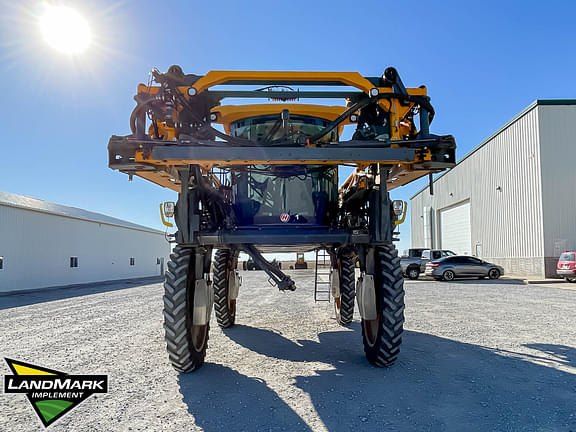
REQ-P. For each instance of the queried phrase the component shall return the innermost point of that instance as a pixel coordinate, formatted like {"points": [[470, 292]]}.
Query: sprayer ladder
{"points": [[322, 276]]}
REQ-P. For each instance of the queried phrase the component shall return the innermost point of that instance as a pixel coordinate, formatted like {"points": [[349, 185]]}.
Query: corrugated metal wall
{"points": [[502, 181], [37, 248], [558, 148]]}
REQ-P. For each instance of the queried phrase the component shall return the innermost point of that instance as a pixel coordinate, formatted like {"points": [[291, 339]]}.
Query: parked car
{"points": [[566, 266], [416, 262], [413, 253], [457, 266]]}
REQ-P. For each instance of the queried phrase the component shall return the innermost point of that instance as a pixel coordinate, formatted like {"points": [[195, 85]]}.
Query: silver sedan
{"points": [[453, 267]]}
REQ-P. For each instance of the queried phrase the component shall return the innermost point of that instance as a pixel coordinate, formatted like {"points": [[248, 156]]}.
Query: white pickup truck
{"points": [[414, 261]]}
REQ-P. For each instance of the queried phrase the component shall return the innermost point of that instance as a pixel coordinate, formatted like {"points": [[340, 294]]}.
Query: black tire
{"points": [[382, 337], [344, 305], [448, 275], [413, 273], [493, 273], [224, 308], [186, 343]]}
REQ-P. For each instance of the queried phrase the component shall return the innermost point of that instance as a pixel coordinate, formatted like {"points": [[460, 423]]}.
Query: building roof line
{"points": [[500, 130], [37, 205]]}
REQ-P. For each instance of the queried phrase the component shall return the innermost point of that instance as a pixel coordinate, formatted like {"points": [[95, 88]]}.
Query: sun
{"points": [[65, 30]]}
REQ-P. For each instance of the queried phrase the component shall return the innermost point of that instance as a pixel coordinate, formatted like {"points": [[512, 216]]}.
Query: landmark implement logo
{"points": [[51, 393]]}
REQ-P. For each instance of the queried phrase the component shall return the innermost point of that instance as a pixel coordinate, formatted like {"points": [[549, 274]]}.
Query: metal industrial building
{"points": [[44, 244], [511, 200]]}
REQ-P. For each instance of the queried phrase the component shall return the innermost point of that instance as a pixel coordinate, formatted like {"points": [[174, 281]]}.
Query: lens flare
{"points": [[65, 30]]}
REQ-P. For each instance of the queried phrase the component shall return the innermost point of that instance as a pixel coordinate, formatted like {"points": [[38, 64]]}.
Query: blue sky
{"points": [[482, 62]]}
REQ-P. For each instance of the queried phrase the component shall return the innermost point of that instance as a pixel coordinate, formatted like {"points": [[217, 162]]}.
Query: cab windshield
{"points": [[275, 195], [269, 128]]}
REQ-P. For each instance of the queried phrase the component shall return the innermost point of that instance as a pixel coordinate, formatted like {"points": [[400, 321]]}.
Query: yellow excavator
{"points": [[263, 177]]}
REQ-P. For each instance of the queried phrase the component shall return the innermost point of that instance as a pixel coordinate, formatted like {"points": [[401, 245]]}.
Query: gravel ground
{"points": [[477, 356]]}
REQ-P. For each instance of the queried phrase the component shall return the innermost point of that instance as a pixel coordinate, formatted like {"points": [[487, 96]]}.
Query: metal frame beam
{"points": [[228, 155]]}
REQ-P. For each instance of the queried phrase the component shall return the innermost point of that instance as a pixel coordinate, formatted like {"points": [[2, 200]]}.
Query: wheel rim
{"points": [[413, 274], [199, 334], [338, 300], [371, 330], [231, 303], [232, 307], [449, 275], [494, 274], [337, 304]]}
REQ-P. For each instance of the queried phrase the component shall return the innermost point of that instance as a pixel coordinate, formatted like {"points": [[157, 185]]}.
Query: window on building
{"points": [[73, 261], [132, 260], [157, 261], [1, 263]]}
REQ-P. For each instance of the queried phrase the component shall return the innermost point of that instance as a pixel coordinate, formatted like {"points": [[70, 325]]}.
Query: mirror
{"points": [[398, 207], [169, 207]]}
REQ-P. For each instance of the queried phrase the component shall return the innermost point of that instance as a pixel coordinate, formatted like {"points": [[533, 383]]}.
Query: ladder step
{"points": [[322, 269]]}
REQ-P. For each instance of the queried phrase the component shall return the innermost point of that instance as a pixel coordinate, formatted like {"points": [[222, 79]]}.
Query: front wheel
{"points": [[186, 341], [448, 275], [382, 336], [494, 273]]}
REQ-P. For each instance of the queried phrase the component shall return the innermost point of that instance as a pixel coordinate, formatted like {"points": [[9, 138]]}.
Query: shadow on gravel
{"points": [[221, 399], [561, 353], [489, 281], [8, 300], [437, 385], [476, 281]]}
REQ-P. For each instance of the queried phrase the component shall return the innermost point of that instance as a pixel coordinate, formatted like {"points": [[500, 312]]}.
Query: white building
{"points": [[511, 200], [44, 245]]}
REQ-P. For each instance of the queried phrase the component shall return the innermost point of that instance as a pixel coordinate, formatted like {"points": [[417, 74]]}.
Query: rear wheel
{"points": [[185, 342], [224, 306], [494, 273], [344, 304], [448, 275], [413, 273], [382, 336]]}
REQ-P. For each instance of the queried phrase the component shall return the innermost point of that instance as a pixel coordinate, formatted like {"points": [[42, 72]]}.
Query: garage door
{"points": [[455, 233]]}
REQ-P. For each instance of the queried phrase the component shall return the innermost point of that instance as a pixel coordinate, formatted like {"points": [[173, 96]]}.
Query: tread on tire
{"points": [[224, 308], [344, 305], [382, 337], [186, 343]]}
